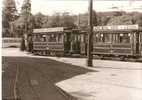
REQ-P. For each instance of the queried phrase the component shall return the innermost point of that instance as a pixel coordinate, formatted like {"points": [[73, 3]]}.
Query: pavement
{"points": [[114, 80]]}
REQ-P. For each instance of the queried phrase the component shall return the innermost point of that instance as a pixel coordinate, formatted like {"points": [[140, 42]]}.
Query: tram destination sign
{"points": [[116, 27]]}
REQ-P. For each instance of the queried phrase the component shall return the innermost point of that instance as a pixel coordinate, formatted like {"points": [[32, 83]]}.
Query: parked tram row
{"points": [[122, 41]]}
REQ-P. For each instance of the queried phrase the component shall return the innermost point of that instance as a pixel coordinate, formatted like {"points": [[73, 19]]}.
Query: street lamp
{"points": [[90, 35]]}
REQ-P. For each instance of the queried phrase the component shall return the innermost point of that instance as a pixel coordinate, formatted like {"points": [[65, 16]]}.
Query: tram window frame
{"points": [[60, 38], [108, 39], [125, 38], [101, 38], [76, 38], [119, 38], [81, 38], [43, 38], [97, 38], [52, 37], [37, 38]]}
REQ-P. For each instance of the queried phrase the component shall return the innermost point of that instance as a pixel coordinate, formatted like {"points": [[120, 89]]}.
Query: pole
{"points": [[90, 35]]}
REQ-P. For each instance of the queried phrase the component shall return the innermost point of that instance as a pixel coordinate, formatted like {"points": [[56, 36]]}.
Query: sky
{"points": [[50, 7]]}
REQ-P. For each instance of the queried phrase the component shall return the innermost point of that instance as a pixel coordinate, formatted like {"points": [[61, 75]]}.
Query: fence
{"points": [[11, 42]]}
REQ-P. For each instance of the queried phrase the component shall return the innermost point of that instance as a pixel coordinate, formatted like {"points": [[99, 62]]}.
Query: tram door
{"points": [[76, 43], [83, 44], [67, 42], [136, 43]]}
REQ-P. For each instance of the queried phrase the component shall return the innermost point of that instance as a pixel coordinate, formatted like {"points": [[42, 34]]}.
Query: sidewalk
{"points": [[114, 80]]}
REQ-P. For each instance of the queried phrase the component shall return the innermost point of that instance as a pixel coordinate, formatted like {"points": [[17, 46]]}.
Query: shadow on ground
{"points": [[58, 71], [46, 72]]}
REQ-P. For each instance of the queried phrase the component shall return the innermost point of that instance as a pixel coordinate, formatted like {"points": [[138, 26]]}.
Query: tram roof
{"points": [[49, 30], [117, 28], [57, 30]]}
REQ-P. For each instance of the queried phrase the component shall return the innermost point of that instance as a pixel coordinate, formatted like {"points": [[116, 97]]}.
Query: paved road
{"points": [[36, 78]]}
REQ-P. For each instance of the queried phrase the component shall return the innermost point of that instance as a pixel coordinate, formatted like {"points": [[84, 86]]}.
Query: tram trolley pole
{"points": [[90, 35]]}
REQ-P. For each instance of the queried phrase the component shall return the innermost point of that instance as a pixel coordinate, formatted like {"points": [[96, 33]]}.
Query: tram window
{"points": [[107, 38], [98, 37], [79, 37], [82, 38], [37, 38], [52, 38], [124, 38], [43, 38], [60, 38], [75, 38], [103, 38]]}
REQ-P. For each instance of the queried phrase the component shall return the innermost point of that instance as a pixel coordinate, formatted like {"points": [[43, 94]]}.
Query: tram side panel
{"points": [[122, 44], [101, 44], [39, 44], [112, 44]]}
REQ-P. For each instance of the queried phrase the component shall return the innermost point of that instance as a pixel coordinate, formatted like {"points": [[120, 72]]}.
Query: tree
{"points": [[104, 20], [67, 20], [45, 20], [9, 14], [83, 23], [120, 20], [137, 19], [26, 20], [39, 20], [60, 20], [26, 13], [54, 20], [83, 20], [24, 24]]}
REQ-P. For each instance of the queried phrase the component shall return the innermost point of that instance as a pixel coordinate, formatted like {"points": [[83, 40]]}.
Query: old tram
{"points": [[123, 41], [57, 41]]}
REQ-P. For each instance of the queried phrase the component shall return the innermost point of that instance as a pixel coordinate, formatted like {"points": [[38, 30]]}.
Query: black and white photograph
{"points": [[71, 50]]}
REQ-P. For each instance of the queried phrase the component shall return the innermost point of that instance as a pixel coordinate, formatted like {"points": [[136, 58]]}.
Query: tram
{"points": [[57, 41], [123, 41]]}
